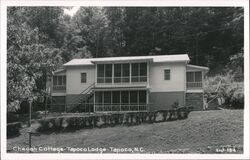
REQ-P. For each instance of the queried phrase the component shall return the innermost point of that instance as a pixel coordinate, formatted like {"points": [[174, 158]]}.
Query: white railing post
{"points": [[113, 73], [130, 72]]}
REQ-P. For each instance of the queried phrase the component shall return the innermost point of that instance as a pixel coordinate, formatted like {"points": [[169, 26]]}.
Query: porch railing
{"points": [[91, 107], [194, 85], [59, 88], [122, 80], [120, 107]]}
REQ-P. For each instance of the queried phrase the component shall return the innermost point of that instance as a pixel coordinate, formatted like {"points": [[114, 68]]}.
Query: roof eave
{"points": [[123, 61], [198, 67]]}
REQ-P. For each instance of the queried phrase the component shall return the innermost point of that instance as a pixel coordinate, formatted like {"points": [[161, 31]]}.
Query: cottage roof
{"points": [[155, 59], [190, 66]]}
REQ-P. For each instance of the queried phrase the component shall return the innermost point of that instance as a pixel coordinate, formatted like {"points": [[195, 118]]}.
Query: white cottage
{"points": [[127, 84]]}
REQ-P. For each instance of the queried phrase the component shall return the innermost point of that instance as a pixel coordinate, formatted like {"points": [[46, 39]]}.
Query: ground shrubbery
{"points": [[73, 122], [225, 87], [13, 129], [16, 117]]}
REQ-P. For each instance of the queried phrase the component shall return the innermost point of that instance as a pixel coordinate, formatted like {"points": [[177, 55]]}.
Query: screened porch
{"points": [[122, 73], [195, 77], [194, 80], [111, 101]]}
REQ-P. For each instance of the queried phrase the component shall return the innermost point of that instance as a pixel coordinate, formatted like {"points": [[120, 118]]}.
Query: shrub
{"points": [[13, 129], [224, 86], [69, 123], [159, 116], [12, 117]]}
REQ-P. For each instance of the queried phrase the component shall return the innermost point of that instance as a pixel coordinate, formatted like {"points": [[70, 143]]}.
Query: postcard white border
{"points": [[198, 3]]}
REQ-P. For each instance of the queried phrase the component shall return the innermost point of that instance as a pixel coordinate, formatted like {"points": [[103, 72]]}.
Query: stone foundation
{"points": [[195, 100]]}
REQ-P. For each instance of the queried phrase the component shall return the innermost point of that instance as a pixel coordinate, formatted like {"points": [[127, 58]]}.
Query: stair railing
{"points": [[85, 91]]}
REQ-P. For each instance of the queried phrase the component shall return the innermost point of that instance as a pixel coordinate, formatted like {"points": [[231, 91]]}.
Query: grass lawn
{"points": [[202, 132]]}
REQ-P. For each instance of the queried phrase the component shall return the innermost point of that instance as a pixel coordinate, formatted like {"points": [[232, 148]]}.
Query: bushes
{"points": [[13, 129], [12, 117], [68, 123], [224, 86]]}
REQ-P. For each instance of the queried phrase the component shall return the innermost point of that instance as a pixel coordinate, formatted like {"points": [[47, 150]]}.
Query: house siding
{"points": [[164, 100], [177, 77], [161, 93], [74, 85]]}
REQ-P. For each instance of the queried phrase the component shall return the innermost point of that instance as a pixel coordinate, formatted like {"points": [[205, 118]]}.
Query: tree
{"points": [[90, 23], [44, 37], [26, 59]]}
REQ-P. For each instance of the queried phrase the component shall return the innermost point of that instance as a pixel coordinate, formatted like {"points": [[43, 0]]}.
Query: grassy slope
{"points": [[201, 129]]}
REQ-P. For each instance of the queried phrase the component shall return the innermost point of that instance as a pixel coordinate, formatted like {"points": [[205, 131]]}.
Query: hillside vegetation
{"points": [[202, 132], [41, 39]]}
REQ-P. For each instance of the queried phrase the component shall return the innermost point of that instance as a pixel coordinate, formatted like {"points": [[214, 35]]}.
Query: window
{"points": [[194, 76], [167, 74], [104, 73], [143, 72], [135, 72], [54, 80], [125, 72], [107, 97], [142, 97], [116, 97], [139, 72], [59, 80], [121, 73], [120, 100], [117, 73], [133, 97], [198, 76], [83, 77], [100, 73], [99, 98], [125, 97], [108, 73], [190, 76]]}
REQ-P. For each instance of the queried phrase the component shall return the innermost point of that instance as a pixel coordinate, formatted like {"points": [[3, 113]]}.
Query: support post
{"points": [[30, 112], [45, 94], [29, 132], [29, 141]]}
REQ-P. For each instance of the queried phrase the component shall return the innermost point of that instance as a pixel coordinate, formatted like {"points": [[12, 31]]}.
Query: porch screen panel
{"points": [[142, 97], [108, 73], [116, 100], [190, 77], [117, 73], [135, 72], [134, 100], [143, 72], [60, 80], [107, 101], [64, 80], [133, 97], [107, 97], [124, 100], [54, 80], [100, 73], [198, 77], [99, 97], [125, 72], [99, 100]]}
